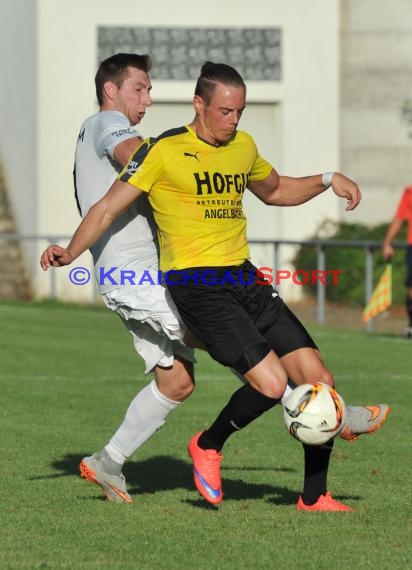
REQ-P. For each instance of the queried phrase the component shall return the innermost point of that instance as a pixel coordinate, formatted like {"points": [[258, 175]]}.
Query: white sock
{"points": [[286, 393], [146, 414]]}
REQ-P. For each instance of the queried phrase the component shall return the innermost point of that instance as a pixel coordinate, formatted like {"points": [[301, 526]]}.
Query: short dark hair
{"points": [[114, 69], [213, 73]]}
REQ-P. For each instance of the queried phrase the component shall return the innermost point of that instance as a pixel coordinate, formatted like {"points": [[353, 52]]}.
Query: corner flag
{"points": [[381, 297]]}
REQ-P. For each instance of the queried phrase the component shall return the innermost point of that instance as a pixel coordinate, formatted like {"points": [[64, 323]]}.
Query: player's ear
{"points": [[198, 104], [110, 90]]}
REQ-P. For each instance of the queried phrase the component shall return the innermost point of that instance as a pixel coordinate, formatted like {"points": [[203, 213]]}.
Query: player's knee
{"points": [[316, 372], [176, 383], [183, 388], [271, 382], [274, 389], [327, 378], [323, 375], [177, 389]]}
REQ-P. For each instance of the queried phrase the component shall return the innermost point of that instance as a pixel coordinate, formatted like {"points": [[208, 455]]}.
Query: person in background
{"points": [[403, 215]]}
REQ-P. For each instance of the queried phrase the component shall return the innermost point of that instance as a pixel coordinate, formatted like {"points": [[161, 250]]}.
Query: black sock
{"points": [[316, 471], [245, 405], [409, 309]]}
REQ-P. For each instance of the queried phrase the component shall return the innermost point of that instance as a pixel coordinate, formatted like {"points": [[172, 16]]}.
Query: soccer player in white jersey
{"points": [[106, 141]]}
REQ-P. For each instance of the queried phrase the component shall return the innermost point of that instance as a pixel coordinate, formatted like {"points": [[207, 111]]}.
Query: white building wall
{"points": [[304, 104], [18, 111], [376, 71]]}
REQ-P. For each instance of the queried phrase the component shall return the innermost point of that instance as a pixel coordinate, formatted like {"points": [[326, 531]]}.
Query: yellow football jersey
{"points": [[196, 191]]}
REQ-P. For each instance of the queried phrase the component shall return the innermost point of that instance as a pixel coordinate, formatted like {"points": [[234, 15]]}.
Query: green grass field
{"points": [[67, 375]]}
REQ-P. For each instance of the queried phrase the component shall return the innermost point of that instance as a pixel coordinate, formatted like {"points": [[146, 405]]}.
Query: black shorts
{"points": [[236, 314], [408, 260]]}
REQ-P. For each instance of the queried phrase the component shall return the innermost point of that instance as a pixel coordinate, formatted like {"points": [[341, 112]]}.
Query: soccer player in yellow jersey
{"points": [[195, 177]]}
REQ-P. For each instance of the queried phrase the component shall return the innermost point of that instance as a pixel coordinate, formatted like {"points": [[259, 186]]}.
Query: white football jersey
{"points": [[130, 244]]}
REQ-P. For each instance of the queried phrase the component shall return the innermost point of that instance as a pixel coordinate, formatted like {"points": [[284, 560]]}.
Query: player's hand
{"points": [[55, 256], [346, 188], [387, 251]]}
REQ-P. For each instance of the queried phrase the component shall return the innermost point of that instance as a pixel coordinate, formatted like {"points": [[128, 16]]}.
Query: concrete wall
{"points": [[18, 112], [376, 89]]}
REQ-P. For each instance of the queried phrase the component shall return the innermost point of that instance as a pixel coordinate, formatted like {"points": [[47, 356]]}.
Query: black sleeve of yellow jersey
{"points": [[137, 158]]}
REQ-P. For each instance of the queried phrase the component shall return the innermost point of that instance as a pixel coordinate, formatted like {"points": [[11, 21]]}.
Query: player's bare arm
{"points": [[278, 190], [394, 228], [98, 219], [124, 150]]}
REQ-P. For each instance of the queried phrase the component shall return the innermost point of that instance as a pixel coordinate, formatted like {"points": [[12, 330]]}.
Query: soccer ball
{"points": [[314, 413]]}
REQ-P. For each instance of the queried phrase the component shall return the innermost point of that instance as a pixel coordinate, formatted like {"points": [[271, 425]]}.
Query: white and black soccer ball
{"points": [[314, 413]]}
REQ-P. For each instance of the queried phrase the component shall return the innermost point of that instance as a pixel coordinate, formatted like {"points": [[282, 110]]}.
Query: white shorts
{"points": [[151, 317]]}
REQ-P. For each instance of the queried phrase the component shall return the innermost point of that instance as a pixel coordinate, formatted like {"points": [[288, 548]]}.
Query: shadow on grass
{"points": [[166, 473], [295, 496]]}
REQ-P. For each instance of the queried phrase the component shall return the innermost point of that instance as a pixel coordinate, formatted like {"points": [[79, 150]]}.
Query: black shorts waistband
{"points": [[244, 274]]}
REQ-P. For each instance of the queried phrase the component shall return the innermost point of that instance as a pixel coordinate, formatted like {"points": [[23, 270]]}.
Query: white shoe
{"points": [[114, 486]]}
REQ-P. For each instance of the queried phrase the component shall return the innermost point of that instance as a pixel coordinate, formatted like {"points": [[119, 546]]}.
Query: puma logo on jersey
{"points": [[192, 155]]}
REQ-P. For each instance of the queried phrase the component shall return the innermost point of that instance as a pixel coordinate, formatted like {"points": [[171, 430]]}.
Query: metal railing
{"points": [[368, 246]]}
